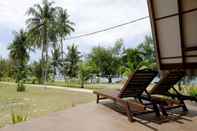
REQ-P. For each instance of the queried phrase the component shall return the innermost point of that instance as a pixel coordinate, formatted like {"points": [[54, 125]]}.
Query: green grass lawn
{"points": [[37, 102]]}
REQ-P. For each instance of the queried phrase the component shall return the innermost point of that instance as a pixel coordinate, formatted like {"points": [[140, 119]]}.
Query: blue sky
{"points": [[88, 16]]}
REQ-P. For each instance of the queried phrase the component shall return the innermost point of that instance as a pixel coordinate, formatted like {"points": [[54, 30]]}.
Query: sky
{"points": [[88, 16]]}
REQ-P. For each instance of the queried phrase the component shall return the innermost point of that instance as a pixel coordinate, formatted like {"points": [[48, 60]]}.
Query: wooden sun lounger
{"points": [[134, 87], [163, 87]]}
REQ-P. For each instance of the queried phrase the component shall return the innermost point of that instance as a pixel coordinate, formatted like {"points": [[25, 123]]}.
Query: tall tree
{"points": [[85, 72], [3, 67], [139, 58], [64, 27], [20, 55], [118, 48], [106, 61], [36, 71], [72, 59], [41, 26], [131, 60], [147, 48], [56, 61]]}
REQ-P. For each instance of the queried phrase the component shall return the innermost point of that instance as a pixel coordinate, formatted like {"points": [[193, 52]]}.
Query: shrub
{"points": [[9, 79], [17, 118], [193, 92], [20, 86]]}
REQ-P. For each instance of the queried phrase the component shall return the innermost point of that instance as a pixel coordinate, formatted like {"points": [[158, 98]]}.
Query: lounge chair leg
{"points": [[163, 110], [184, 106], [97, 100], [129, 114], [156, 110]]}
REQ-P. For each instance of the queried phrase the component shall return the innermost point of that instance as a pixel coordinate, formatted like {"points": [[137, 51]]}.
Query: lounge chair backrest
{"points": [[167, 82], [137, 83]]}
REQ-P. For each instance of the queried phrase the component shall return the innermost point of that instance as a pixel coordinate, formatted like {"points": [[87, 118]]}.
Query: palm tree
{"points": [[72, 61], [20, 55], [131, 59], [56, 62], [18, 48], [147, 48], [85, 72], [36, 71], [64, 27], [41, 29]]}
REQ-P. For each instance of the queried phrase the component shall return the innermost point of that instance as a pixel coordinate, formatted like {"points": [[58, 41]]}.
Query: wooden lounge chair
{"points": [[134, 87], [163, 88]]}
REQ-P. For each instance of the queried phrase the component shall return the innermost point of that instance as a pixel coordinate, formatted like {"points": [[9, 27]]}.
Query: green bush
{"points": [[17, 118], [20, 86], [8, 79], [31, 80], [193, 92]]}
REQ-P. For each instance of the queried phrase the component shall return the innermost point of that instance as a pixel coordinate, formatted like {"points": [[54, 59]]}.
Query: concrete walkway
{"points": [[55, 87], [97, 117]]}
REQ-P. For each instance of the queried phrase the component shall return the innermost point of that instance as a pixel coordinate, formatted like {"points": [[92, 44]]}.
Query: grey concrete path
{"points": [[97, 117]]}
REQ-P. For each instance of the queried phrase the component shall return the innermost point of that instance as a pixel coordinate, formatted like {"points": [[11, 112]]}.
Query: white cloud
{"points": [[12, 13], [3, 51], [89, 16]]}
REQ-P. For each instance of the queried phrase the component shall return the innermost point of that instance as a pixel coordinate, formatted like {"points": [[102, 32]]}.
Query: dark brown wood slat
{"points": [[141, 79], [170, 81], [138, 83], [136, 93], [173, 77], [135, 89], [133, 86], [165, 84], [132, 94], [143, 75]]}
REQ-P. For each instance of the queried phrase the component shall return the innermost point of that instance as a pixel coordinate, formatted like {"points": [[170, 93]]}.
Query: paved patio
{"points": [[97, 117]]}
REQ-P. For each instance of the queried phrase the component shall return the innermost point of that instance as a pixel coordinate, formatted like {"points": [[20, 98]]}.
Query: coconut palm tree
{"points": [[71, 61], [147, 48], [131, 60], [18, 48], [64, 27], [41, 28], [56, 61], [85, 72], [20, 55]]}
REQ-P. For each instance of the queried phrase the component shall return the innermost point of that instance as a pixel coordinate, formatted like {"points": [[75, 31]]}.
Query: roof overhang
{"points": [[174, 27]]}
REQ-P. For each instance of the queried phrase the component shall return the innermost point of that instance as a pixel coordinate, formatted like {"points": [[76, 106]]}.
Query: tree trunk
{"points": [[43, 64], [54, 72], [62, 49], [45, 45], [109, 79], [82, 81], [82, 84], [46, 75], [62, 56]]}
